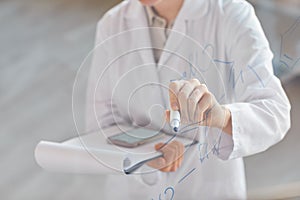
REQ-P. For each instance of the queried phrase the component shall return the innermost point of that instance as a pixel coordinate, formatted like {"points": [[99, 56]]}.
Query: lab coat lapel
{"points": [[180, 30], [176, 37], [139, 32]]}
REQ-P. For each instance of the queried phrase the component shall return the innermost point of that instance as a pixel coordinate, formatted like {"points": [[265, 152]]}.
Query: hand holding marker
{"points": [[169, 161]]}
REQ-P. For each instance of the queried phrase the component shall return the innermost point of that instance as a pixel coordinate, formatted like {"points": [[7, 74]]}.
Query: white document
{"points": [[93, 155]]}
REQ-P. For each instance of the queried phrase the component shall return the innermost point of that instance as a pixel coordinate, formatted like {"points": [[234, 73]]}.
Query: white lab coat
{"points": [[127, 86]]}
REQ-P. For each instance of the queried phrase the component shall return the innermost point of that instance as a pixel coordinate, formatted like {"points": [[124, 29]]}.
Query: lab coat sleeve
{"points": [[101, 111], [261, 110]]}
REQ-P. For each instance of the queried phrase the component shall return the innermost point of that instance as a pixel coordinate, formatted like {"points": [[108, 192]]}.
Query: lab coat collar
{"points": [[136, 17], [191, 9], [139, 22]]}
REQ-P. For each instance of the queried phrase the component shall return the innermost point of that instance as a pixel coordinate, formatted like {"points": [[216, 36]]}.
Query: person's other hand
{"points": [[172, 156], [197, 105]]}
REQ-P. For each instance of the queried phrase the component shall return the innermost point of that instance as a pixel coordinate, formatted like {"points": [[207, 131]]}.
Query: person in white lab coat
{"points": [[220, 59]]}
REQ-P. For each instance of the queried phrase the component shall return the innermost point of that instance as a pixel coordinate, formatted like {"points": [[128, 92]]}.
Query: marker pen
{"points": [[174, 120]]}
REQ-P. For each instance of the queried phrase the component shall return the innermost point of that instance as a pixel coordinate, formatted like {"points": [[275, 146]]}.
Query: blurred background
{"points": [[43, 43]]}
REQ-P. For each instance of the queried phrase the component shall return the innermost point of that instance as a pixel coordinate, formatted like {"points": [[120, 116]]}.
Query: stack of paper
{"points": [[91, 153]]}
